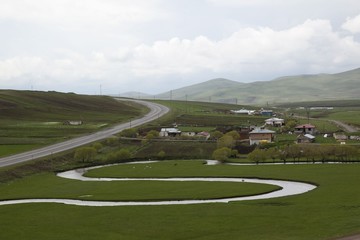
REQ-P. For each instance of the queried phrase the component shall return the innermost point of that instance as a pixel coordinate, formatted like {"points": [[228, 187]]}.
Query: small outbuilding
{"points": [[169, 132], [305, 138], [73, 122]]}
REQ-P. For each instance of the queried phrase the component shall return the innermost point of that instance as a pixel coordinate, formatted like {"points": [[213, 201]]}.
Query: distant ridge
{"points": [[339, 86]]}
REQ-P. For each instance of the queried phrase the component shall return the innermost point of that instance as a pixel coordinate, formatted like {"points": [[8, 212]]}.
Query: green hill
{"points": [[216, 89], [340, 86], [31, 119]]}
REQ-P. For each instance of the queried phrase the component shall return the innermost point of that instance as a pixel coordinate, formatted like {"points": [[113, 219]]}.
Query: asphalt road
{"points": [[156, 111]]}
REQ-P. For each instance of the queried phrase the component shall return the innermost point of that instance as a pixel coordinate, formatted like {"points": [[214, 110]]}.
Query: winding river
{"points": [[288, 188]]}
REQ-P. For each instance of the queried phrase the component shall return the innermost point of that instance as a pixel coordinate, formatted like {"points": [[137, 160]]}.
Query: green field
{"points": [[31, 119], [329, 211]]}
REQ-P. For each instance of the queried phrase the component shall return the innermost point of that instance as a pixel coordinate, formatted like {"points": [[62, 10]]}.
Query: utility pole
{"points": [[100, 90]]}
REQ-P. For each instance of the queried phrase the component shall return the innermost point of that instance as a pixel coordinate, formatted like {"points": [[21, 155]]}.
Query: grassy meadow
{"points": [[329, 211], [31, 119]]}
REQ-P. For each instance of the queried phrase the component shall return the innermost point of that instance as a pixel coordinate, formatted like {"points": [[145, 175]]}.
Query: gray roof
{"points": [[260, 130]]}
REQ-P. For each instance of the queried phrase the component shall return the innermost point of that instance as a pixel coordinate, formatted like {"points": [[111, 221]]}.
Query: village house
{"points": [[276, 122], [259, 135], [305, 138], [169, 132], [305, 129]]}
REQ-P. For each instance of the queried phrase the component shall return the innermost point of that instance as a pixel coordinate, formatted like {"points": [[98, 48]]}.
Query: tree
{"points": [[294, 151], [121, 154], [289, 126], [111, 141], [272, 153], [152, 134], [129, 133], [226, 141], [222, 154], [98, 146], [309, 151], [234, 153], [234, 134], [216, 135], [85, 154], [161, 154], [257, 155]]}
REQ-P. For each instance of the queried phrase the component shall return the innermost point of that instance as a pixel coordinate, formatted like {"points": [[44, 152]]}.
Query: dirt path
{"points": [[346, 127]]}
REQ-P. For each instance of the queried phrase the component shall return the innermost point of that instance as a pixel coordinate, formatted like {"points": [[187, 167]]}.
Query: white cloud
{"points": [[310, 46], [352, 24], [261, 52], [79, 13]]}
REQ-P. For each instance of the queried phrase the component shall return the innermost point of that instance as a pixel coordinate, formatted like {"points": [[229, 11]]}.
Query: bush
{"points": [[112, 141], [222, 154], [98, 146], [130, 133], [122, 154], [85, 154]]}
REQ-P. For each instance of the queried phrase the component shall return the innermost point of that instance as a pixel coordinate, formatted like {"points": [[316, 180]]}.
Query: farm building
{"points": [[243, 111], [259, 135], [275, 122], [73, 122], [305, 128], [169, 132], [268, 113], [340, 136], [305, 138]]}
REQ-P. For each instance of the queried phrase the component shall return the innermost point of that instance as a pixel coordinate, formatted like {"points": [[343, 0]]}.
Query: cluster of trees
{"points": [[225, 145], [91, 153], [308, 152]]}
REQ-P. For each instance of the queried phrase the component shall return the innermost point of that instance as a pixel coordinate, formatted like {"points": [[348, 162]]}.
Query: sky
{"points": [[153, 46]]}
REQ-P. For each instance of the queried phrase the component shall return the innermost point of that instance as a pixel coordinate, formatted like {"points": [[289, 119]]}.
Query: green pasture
{"points": [[205, 114], [34, 118], [322, 125], [329, 211], [350, 117], [6, 150]]}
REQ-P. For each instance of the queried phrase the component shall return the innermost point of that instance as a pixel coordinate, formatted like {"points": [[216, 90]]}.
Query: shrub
{"points": [[85, 154], [222, 154]]}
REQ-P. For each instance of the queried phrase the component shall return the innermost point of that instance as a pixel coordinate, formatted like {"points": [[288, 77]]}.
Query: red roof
{"points": [[305, 126]]}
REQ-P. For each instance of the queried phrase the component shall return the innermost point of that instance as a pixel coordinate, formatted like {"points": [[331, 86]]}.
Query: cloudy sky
{"points": [[154, 46]]}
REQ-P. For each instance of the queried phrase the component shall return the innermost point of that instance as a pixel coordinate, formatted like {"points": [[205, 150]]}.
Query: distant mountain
{"points": [[340, 86], [215, 89]]}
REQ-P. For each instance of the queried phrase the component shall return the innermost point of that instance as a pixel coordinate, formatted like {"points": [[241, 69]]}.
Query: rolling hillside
{"points": [[340, 86]]}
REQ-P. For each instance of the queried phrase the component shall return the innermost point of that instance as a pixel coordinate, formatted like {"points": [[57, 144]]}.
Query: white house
{"points": [[275, 121], [243, 111]]}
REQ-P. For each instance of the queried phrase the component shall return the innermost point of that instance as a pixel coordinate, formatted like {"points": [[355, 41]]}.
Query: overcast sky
{"points": [[154, 46]]}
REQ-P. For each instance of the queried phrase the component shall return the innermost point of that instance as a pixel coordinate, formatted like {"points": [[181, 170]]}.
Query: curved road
{"points": [[156, 111]]}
